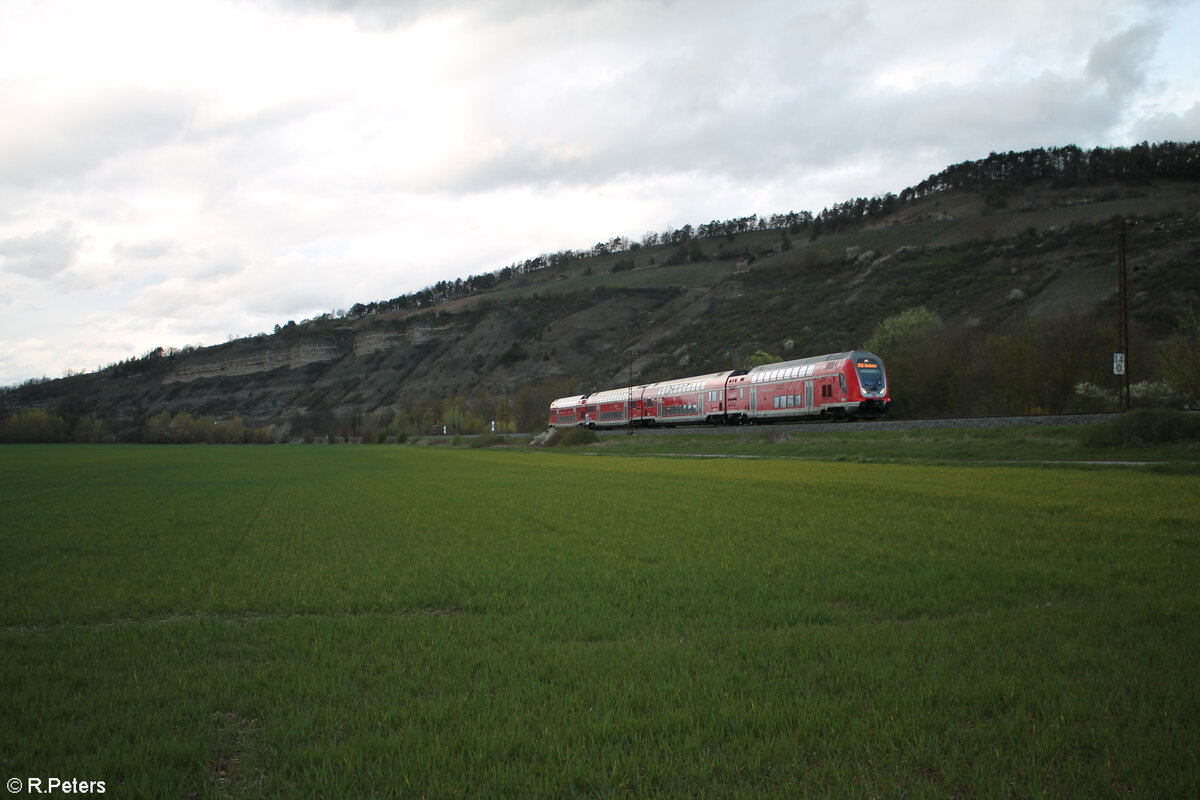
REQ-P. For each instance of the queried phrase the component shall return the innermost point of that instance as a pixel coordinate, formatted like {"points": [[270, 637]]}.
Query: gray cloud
{"points": [[1121, 62], [40, 255], [1160, 127], [750, 96]]}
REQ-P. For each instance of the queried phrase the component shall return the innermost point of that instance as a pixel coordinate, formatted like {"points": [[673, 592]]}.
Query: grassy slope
{"points": [[335, 621], [1042, 445], [946, 220]]}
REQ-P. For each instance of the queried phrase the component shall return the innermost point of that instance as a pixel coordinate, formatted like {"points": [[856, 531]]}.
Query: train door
{"points": [[808, 394], [754, 398]]}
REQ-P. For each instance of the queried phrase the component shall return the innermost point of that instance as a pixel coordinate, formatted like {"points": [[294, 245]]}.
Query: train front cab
{"points": [[869, 380], [835, 386]]}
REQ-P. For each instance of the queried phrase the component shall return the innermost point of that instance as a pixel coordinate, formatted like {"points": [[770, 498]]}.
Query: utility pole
{"points": [[629, 407], [1121, 357]]}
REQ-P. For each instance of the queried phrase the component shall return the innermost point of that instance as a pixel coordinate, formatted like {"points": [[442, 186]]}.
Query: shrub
{"points": [[1143, 426], [488, 440], [577, 436], [33, 425]]}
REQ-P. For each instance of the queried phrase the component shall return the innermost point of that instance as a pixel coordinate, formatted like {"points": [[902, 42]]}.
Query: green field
{"points": [[438, 622], [1178, 451]]}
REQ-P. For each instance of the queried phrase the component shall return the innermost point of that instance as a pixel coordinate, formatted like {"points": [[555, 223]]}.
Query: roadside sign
{"points": [[1118, 363]]}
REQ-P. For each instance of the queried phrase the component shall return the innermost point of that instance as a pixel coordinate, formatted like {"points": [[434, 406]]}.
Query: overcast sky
{"points": [[176, 172]]}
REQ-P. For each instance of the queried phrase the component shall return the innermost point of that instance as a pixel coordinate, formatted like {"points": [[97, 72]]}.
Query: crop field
{"points": [[316, 621]]}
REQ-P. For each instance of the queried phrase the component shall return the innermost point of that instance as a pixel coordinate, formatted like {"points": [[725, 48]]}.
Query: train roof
{"points": [[687, 384], [567, 402], [804, 362]]}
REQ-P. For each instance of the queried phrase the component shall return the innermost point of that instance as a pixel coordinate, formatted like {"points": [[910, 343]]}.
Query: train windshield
{"points": [[870, 376]]}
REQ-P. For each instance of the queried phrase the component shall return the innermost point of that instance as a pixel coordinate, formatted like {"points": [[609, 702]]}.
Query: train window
{"points": [[869, 375]]}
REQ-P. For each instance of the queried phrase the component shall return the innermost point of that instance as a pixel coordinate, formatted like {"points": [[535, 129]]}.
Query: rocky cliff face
{"points": [[266, 360]]}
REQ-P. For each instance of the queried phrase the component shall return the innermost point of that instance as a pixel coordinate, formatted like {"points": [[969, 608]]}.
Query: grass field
{"points": [[1048, 445], [434, 622]]}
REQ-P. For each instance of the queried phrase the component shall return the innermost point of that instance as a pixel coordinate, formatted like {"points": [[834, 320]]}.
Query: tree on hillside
{"points": [[760, 358], [1179, 359], [902, 330], [913, 345]]}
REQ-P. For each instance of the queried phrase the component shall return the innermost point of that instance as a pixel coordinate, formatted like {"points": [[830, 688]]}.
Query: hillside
{"points": [[1033, 271]]}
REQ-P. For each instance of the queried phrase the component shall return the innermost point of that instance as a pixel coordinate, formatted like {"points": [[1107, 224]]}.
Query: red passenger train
{"points": [[836, 386]]}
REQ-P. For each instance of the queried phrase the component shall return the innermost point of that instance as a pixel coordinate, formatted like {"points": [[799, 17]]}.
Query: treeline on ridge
{"points": [[995, 177]]}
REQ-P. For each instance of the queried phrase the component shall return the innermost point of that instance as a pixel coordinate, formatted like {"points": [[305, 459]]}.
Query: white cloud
{"points": [[50, 139]]}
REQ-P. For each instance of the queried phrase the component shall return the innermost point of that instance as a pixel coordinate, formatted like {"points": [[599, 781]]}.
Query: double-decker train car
{"points": [[847, 385]]}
